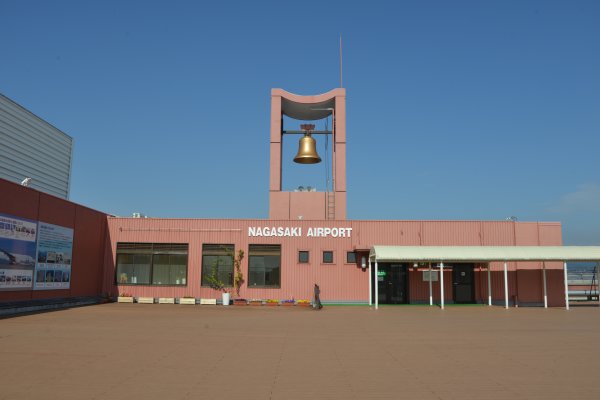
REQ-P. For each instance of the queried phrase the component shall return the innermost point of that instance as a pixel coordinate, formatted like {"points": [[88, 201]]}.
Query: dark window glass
{"points": [[303, 257], [351, 257], [264, 265], [169, 269], [219, 257], [151, 264], [328, 257]]}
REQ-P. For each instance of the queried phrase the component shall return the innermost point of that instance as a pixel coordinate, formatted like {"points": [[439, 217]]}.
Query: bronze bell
{"points": [[307, 150]]}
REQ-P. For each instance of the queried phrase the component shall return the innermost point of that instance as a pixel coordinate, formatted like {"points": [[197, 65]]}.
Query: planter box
{"points": [[124, 299], [240, 302], [255, 303], [271, 304], [166, 300], [304, 305], [212, 302], [187, 301], [145, 300], [288, 304]]}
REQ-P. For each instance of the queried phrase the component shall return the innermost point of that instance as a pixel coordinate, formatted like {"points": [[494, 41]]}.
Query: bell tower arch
{"points": [[330, 204]]}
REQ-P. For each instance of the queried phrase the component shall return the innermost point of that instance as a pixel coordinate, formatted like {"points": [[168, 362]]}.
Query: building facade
{"points": [[284, 259], [33, 148], [306, 241]]}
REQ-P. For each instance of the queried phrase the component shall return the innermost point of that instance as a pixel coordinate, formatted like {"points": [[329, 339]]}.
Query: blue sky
{"points": [[456, 110]]}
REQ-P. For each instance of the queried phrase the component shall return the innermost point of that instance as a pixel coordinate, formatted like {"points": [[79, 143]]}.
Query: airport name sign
{"points": [[257, 231]]}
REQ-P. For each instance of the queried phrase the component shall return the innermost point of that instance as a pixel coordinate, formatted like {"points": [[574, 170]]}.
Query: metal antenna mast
{"points": [[341, 81]]}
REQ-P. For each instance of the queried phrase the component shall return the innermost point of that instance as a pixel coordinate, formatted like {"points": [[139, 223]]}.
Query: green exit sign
{"points": [[381, 273]]}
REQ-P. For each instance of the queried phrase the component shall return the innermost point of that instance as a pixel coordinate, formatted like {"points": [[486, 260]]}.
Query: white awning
{"points": [[483, 253]]}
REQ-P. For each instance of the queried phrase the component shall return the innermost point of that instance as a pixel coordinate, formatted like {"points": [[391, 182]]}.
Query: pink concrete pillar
{"points": [[275, 165]]}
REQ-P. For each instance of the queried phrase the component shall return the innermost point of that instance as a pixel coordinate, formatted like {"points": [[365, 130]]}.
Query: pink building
{"points": [[307, 240]]}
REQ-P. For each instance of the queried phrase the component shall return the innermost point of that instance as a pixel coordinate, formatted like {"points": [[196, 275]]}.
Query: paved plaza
{"points": [[170, 352]]}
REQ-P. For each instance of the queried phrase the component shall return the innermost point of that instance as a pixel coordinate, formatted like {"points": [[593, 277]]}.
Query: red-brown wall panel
{"points": [[89, 238], [88, 252], [18, 200], [56, 211]]}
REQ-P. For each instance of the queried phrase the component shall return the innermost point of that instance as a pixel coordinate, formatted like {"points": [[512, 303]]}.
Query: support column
{"points": [[545, 287], [489, 284], [370, 284], [430, 287], [505, 285], [566, 286], [376, 286], [442, 285]]}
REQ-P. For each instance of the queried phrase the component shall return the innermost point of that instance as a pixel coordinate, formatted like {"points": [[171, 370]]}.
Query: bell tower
{"points": [[327, 205]]}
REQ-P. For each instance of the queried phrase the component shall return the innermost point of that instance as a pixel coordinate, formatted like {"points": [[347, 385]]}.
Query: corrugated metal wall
{"points": [[94, 252], [338, 281], [33, 148], [89, 238]]}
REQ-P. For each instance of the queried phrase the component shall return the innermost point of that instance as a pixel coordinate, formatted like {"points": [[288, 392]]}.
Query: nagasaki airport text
{"points": [[297, 232]]}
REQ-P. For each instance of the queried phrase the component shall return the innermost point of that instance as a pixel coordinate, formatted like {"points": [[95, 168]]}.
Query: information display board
{"points": [[54, 254], [17, 252], [34, 254]]}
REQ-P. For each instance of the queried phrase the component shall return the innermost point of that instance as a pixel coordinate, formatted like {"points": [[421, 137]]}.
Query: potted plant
{"points": [[240, 302], [272, 302], [187, 300], [215, 283], [238, 276], [303, 303], [288, 303], [255, 302], [125, 298]]}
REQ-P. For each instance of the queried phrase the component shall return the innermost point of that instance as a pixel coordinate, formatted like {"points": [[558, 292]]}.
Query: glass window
{"points": [[151, 264], [351, 257], [133, 268], [264, 265], [219, 257], [169, 269], [303, 257], [328, 257]]}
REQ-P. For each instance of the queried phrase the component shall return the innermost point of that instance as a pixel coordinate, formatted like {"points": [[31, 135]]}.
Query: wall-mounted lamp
{"points": [[363, 262]]}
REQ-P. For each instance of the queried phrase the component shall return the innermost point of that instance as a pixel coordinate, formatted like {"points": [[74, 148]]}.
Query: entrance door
{"points": [[392, 284], [463, 283]]}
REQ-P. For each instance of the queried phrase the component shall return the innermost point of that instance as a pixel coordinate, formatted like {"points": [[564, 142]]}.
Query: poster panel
{"points": [[17, 252], [54, 253]]}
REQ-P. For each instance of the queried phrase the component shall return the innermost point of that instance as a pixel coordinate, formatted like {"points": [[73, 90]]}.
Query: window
{"points": [[327, 257], [351, 257], [303, 256], [219, 257], [264, 265], [151, 264]]}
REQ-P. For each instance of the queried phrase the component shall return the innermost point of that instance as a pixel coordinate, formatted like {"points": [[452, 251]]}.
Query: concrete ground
{"points": [[139, 351]]}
